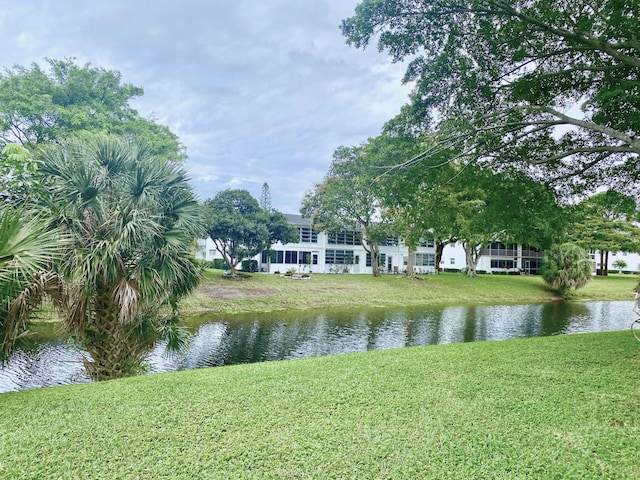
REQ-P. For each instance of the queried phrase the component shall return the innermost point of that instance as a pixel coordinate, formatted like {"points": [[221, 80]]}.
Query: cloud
{"points": [[257, 91]]}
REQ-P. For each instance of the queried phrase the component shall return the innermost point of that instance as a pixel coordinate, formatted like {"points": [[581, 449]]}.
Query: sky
{"points": [[257, 91]]}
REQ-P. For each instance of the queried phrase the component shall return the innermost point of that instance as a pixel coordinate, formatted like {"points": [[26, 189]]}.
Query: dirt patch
{"points": [[231, 292]]}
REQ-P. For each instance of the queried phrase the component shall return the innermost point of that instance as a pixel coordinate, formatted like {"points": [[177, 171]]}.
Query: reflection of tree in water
{"points": [[556, 316], [469, 324], [281, 335], [424, 325]]}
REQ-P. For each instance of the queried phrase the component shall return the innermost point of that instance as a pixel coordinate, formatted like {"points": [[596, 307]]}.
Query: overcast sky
{"points": [[257, 91]]}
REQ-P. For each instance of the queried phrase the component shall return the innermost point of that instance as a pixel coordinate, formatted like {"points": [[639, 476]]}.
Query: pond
{"points": [[286, 335]]}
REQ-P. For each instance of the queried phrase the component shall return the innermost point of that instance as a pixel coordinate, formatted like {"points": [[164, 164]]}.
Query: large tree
{"points": [[132, 220], [349, 199], [17, 173], [553, 83], [476, 206], [420, 201], [240, 228], [38, 107], [607, 222]]}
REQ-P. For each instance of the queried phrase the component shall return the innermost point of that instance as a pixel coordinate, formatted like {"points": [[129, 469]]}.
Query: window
{"points": [[429, 242], [308, 235], [390, 241], [502, 263], [291, 257], [339, 257], [533, 252], [425, 260], [499, 249], [453, 261], [382, 258], [307, 258], [345, 238]]}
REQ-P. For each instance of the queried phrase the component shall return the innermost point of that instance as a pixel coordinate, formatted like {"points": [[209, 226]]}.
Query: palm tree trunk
{"points": [[114, 348]]}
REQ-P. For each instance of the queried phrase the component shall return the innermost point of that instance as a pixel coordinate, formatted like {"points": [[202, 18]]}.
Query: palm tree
{"points": [[28, 247], [566, 266], [132, 219]]}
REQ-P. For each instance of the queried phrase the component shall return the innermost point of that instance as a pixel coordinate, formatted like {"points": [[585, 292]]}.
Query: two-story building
{"points": [[342, 252], [332, 252]]}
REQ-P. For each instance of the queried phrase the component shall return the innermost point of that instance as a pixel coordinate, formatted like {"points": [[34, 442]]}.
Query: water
{"points": [[282, 335]]}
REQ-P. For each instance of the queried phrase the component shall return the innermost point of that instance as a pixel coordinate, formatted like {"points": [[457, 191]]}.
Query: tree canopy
{"points": [[552, 83], [240, 228], [17, 173], [37, 107], [349, 199], [607, 222]]}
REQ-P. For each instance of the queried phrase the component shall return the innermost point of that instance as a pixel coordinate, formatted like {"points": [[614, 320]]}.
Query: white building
{"points": [[631, 259], [336, 252], [342, 252]]}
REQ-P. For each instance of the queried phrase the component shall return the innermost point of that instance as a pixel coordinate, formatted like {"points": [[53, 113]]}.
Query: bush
{"points": [[250, 265], [566, 266], [220, 264]]}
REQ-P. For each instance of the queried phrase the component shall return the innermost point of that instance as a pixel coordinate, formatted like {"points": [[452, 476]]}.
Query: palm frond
{"points": [[133, 219], [44, 284], [127, 296]]}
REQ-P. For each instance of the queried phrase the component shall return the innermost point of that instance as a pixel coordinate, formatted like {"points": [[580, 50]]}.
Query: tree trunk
{"points": [[114, 348], [601, 271], [411, 261], [472, 252], [439, 251], [373, 250], [606, 263], [375, 257], [232, 263]]}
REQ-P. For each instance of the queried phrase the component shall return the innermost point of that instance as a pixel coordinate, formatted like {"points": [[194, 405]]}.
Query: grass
{"points": [[264, 293], [551, 407]]}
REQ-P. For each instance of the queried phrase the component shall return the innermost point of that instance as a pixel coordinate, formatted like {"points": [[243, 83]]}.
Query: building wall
{"points": [[630, 258], [345, 254], [336, 256]]}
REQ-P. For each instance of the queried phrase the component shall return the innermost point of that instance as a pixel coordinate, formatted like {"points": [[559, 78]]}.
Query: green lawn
{"points": [[263, 292], [553, 407]]}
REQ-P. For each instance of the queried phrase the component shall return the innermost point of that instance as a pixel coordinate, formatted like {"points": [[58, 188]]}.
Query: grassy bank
{"points": [[263, 293], [553, 407]]}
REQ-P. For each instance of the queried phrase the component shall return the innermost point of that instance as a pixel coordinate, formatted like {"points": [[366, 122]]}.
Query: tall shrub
{"points": [[566, 266]]}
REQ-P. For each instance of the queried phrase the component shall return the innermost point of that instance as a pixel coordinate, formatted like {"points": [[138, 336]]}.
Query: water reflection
{"points": [[276, 336]]}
